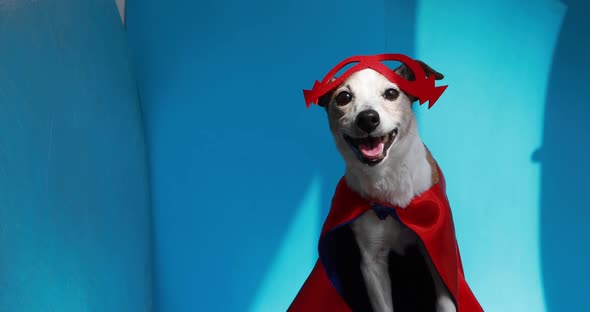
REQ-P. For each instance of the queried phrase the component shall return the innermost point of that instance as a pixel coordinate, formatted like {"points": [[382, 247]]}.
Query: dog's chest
{"points": [[377, 237]]}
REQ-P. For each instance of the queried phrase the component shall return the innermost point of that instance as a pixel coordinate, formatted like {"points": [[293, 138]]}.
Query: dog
{"points": [[376, 132]]}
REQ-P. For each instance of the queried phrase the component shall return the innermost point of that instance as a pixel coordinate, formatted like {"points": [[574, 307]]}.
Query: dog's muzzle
{"points": [[371, 150]]}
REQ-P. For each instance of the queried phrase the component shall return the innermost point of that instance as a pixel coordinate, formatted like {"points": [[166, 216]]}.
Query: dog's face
{"points": [[370, 117], [367, 115]]}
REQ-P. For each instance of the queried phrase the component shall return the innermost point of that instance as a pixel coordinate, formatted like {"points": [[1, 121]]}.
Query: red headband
{"points": [[423, 87]]}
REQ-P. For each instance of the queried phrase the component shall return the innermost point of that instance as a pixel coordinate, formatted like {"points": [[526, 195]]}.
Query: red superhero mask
{"points": [[422, 87]]}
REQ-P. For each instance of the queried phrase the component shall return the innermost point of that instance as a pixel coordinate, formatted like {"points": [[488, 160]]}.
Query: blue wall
{"points": [[238, 164], [242, 173], [564, 181], [74, 200]]}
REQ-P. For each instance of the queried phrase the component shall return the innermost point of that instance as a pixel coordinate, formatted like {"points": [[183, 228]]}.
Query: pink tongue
{"points": [[371, 152]]}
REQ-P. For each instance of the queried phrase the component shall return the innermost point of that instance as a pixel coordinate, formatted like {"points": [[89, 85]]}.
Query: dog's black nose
{"points": [[367, 120]]}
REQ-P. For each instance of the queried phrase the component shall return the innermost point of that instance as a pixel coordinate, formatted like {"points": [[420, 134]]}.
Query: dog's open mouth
{"points": [[371, 150]]}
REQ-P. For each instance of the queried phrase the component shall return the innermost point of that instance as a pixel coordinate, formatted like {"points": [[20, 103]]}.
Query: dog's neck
{"points": [[405, 173]]}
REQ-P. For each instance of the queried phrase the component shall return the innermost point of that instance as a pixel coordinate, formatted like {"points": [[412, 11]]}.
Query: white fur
{"points": [[403, 174]]}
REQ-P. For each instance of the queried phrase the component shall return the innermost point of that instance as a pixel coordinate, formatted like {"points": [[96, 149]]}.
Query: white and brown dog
{"points": [[376, 132]]}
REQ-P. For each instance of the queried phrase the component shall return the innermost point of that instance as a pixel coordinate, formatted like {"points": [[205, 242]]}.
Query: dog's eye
{"points": [[343, 98], [391, 94]]}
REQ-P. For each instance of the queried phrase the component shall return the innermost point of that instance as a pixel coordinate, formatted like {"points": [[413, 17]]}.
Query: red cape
{"points": [[428, 215]]}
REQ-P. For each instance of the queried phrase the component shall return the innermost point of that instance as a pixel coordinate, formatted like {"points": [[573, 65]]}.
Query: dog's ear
{"points": [[324, 100], [407, 73]]}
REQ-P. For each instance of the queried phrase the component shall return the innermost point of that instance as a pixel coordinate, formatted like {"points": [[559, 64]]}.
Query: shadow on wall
{"points": [[565, 168]]}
